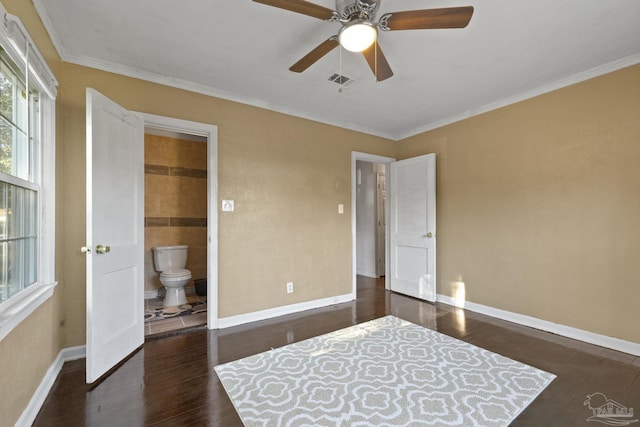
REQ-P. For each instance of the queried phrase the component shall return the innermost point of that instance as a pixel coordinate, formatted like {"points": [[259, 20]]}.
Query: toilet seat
{"points": [[178, 273]]}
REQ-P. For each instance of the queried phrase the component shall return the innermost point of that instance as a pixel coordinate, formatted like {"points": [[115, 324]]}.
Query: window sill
{"points": [[16, 309]]}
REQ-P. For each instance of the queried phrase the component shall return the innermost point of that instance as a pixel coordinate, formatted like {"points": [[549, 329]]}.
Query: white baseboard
{"points": [[241, 319], [545, 325], [31, 411]]}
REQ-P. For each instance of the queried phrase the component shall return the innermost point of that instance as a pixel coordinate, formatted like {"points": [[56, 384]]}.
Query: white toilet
{"points": [[170, 262]]}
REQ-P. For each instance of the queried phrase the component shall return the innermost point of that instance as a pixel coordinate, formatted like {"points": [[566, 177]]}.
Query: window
{"points": [[19, 187], [27, 175]]}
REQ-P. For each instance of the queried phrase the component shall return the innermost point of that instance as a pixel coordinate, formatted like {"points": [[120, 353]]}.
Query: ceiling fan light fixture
{"points": [[357, 36]]}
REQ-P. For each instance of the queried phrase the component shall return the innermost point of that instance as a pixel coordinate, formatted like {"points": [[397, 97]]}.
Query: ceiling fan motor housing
{"points": [[357, 9]]}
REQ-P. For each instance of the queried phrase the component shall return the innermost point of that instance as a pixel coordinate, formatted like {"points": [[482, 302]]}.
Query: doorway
{"points": [[370, 219], [175, 214], [180, 209], [369, 227], [410, 231]]}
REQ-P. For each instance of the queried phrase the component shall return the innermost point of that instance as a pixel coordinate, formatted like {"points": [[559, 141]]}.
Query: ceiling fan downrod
{"points": [[348, 10]]}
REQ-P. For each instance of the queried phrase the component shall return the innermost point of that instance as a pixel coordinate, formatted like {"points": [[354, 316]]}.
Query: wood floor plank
{"points": [[171, 381]]}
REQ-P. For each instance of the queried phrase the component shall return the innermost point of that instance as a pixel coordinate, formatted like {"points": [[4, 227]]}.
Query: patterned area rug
{"points": [[386, 372], [159, 312]]}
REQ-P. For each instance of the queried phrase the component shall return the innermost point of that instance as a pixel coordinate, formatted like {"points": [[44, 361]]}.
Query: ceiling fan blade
{"points": [[300, 6], [450, 17], [382, 70], [310, 58]]}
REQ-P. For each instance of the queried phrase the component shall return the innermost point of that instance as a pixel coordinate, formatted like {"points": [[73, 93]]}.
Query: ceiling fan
{"points": [[359, 31]]}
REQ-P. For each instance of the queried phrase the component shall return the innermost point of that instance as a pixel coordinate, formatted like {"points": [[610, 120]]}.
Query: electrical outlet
{"points": [[289, 287]]}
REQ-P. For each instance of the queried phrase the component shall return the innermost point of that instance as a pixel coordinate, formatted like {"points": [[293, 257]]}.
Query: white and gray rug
{"points": [[386, 372]]}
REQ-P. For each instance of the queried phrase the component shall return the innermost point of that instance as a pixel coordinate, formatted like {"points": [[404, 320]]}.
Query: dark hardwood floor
{"points": [[171, 380]]}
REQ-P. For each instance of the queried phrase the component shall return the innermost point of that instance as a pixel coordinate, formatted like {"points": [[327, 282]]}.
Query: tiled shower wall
{"points": [[175, 202]]}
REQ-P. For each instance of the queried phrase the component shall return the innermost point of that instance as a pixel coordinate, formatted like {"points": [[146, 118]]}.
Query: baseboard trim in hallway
{"points": [[37, 400]]}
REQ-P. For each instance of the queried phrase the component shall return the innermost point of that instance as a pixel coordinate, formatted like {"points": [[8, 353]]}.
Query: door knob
{"points": [[429, 235], [103, 249]]}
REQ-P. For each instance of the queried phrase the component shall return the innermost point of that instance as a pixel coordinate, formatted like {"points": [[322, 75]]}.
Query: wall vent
{"points": [[341, 80]]}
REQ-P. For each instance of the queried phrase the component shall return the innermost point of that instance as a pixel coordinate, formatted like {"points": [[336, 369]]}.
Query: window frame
{"points": [[19, 46]]}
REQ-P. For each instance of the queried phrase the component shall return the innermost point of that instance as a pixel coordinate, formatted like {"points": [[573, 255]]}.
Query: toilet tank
{"points": [[170, 257]]}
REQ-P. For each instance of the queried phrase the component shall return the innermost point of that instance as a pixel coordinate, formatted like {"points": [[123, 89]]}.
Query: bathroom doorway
{"points": [[180, 209]]}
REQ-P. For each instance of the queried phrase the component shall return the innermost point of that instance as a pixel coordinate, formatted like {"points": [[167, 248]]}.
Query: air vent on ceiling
{"points": [[343, 81]]}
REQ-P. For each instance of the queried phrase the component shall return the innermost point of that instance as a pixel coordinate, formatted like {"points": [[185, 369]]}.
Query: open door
{"points": [[412, 217], [115, 234]]}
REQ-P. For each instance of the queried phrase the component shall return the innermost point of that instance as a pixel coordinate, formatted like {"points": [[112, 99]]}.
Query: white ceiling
{"points": [[241, 50]]}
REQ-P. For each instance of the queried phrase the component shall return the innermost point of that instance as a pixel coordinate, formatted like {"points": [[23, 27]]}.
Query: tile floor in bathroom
{"points": [[159, 319]]}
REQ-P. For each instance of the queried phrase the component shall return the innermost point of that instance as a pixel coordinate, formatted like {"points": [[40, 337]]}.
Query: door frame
{"points": [[210, 132], [373, 158]]}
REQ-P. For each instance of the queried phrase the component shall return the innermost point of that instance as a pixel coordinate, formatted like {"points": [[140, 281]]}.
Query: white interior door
{"points": [[412, 216], [115, 234]]}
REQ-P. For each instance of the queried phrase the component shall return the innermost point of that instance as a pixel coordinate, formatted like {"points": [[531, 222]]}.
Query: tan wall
{"points": [[538, 205], [175, 203]]}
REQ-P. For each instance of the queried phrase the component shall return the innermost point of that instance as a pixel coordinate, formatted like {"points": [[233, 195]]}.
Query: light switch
{"points": [[227, 206], [340, 208]]}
